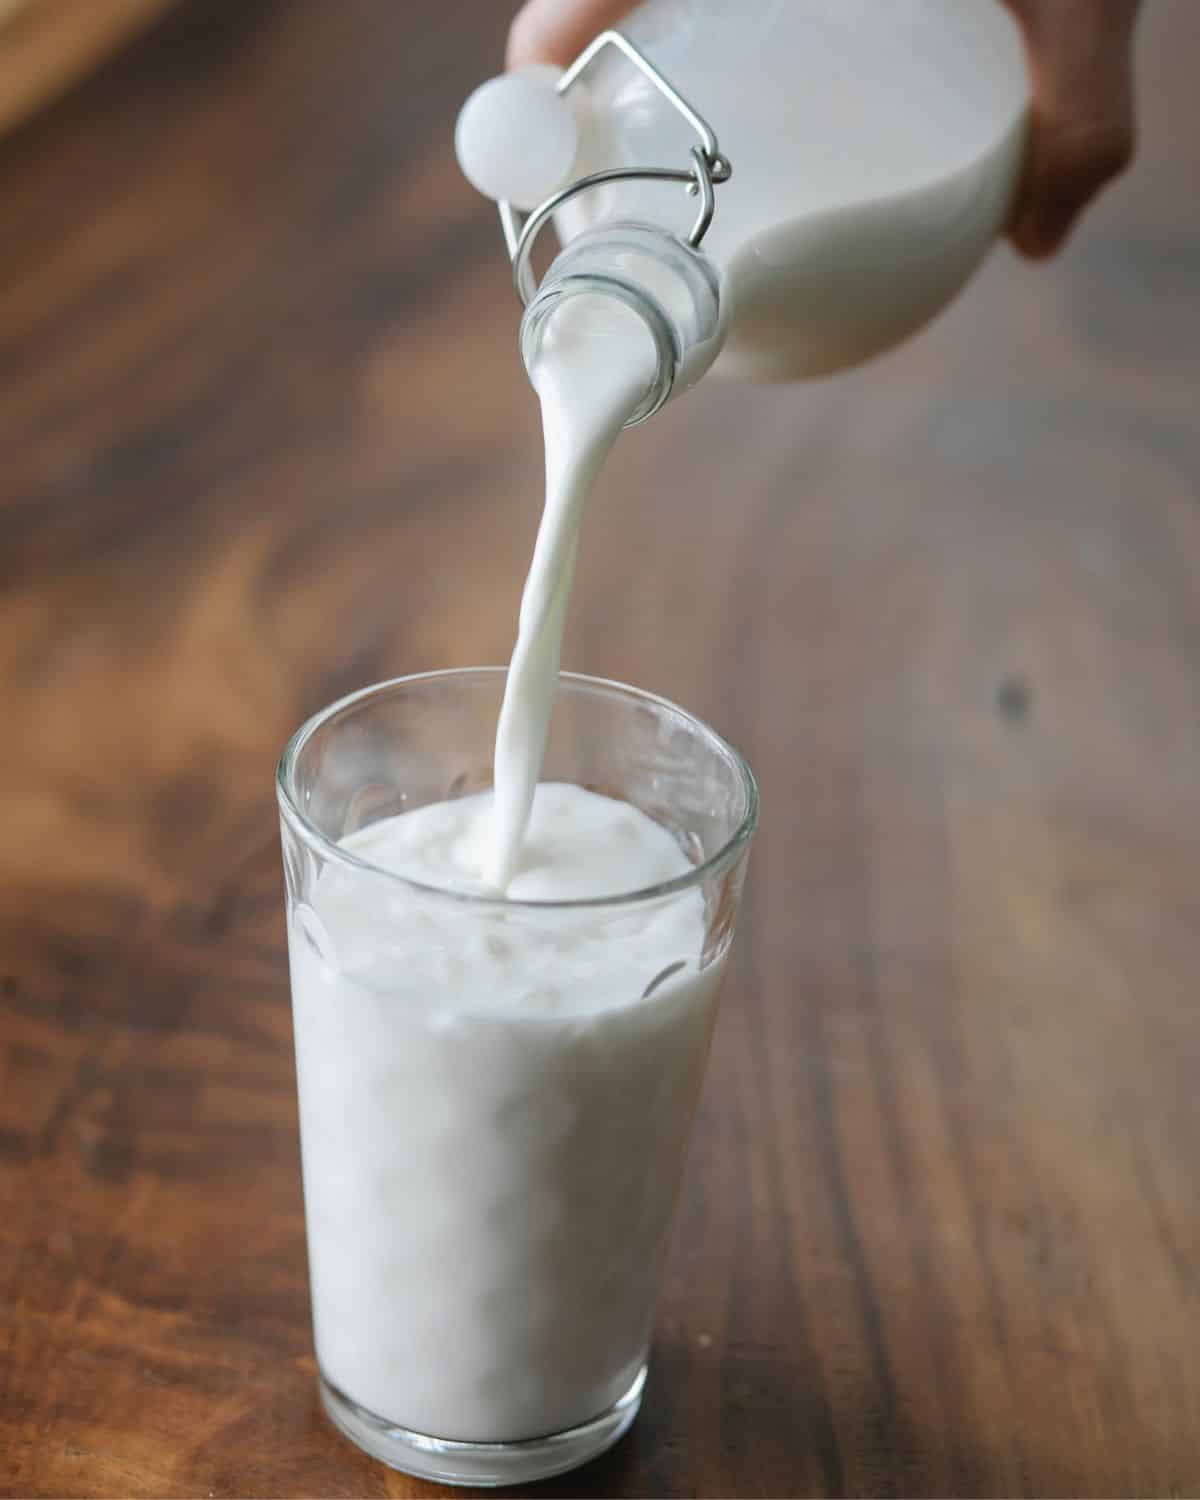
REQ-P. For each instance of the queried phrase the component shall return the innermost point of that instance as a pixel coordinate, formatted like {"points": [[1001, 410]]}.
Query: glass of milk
{"points": [[496, 1090]]}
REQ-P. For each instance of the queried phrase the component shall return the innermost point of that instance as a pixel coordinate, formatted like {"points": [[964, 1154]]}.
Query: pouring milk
{"points": [[874, 155], [593, 369], [495, 1099]]}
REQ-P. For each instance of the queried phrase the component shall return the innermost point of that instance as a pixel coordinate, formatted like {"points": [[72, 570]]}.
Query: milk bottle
{"points": [[874, 153]]}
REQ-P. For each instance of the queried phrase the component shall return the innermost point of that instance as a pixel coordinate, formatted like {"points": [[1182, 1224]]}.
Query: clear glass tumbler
{"points": [[489, 1187]]}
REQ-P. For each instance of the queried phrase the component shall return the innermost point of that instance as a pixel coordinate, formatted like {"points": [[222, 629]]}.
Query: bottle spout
{"points": [[518, 136], [674, 290]]}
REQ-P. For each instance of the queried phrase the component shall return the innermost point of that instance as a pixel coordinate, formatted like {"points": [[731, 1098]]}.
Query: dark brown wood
{"points": [[47, 45], [264, 437]]}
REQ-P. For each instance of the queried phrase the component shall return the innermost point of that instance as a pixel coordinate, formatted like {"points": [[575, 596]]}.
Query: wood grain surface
{"points": [[46, 45], [264, 438]]}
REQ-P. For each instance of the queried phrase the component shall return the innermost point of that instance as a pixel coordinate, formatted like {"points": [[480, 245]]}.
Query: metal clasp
{"points": [[708, 167]]}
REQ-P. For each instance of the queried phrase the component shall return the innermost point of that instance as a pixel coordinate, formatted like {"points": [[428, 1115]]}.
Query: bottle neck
{"points": [[674, 290]]}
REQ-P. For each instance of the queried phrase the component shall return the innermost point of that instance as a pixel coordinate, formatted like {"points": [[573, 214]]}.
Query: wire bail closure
{"points": [[708, 167]]}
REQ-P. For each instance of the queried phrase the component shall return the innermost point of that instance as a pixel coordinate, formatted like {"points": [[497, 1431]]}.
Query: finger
{"points": [[1082, 122], [1067, 168], [556, 31]]}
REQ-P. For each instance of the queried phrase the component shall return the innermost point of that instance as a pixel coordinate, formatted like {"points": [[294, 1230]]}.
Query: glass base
{"points": [[487, 1464]]}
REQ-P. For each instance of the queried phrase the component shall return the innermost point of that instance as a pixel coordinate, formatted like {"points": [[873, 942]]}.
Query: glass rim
{"points": [[322, 844]]}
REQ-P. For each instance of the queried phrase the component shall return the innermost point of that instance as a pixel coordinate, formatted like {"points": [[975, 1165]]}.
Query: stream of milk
{"points": [[595, 362]]}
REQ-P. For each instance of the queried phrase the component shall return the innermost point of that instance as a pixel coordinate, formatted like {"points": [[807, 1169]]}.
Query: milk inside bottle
{"points": [[875, 152]]}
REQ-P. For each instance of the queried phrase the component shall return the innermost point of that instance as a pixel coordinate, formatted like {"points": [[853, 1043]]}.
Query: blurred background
{"points": [[265, 438]]}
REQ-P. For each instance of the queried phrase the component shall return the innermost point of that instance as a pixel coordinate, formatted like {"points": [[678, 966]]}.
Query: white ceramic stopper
{"points": [[516, 137]]}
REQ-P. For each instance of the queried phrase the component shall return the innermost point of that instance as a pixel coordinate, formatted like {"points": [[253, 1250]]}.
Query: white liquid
{"points": [[494, 1116], [596, 361]]}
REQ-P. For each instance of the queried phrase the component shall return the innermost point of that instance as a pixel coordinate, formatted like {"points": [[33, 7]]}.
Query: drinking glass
{"points": [[488, 1186]]}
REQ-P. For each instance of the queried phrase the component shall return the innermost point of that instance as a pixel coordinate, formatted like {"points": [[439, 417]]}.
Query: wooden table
{"points": [[264, 438]]}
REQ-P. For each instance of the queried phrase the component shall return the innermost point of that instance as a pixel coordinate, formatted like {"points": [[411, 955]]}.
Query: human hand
{"points": [[1080, 61]]}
